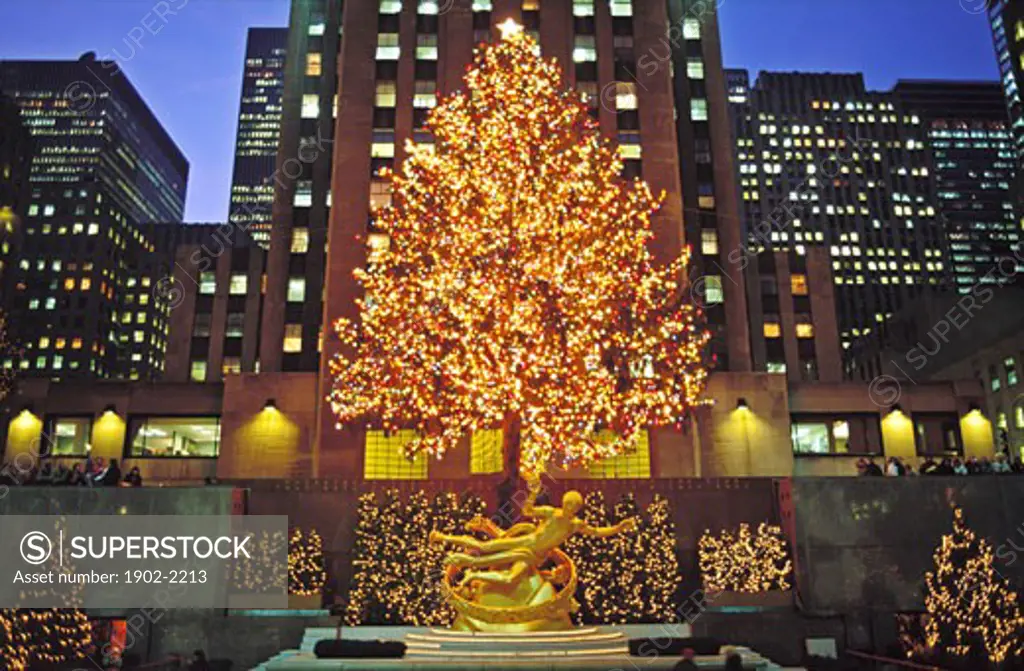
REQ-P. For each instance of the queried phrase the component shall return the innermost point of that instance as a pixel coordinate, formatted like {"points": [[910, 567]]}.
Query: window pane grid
{"points": [[634, 463], [384, 459], [486, 451]]}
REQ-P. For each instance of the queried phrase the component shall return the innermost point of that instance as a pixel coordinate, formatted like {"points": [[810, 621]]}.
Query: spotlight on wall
{"points": [[973, 407], [110, 409], [894, 408], [741, 404], [27, 408], [271, 404]]}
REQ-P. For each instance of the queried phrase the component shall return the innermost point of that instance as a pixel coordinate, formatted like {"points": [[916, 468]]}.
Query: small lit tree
{"points": [[13, 651], [971, 608], [515, 288], [749, 562], [306, 574]]}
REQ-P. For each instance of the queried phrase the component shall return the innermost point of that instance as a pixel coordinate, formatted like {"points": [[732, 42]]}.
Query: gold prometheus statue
{"points": [[519, 579]]}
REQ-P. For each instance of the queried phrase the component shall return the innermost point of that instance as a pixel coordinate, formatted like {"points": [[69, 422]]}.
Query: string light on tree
{"points": [[971, 608], [516, 288], [750, 562]]}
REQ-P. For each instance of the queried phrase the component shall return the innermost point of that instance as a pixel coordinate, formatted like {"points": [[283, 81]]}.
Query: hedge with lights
{"points": [[972, 612], [396, 574], [52, 637], [509, 282], [747, 561], [306, 574]]}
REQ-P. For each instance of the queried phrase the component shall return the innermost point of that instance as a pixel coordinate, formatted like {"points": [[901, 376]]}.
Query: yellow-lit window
{"points": [[197, 372], [804, 330], [86, 283], [425, 95], [628, 151], [798, 284], [531, 5], [76, 343], [60, 343], [708, 241], [387, 47], [384, 459], [44, 342], [300, 240], [232, 366], [486, 452], [1018, 30], [314, 64], [380, 194], [292, 338], [625, 96], [635, 462], [386, 94], [382, 150], [69, 283], [772, 330]]}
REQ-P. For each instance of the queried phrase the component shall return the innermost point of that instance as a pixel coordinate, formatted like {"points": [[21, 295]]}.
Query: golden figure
{"points": [[504, 586]]}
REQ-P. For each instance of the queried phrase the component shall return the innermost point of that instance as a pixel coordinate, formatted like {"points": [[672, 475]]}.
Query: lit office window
{"points": [[428, 7], [304, 193], [625, 96], [382, 150], [804, 328], [380, 194], [772, 329], [238, 284], [235, 325], [201, 325], [386, 94], [426, 47], [207, 283], [584, 49], [708, 241], [390, 6], [296, 289], [695, 68], [317, 29], [300, 240], [713, 294], [621, 7], [232, 366], [699, 109], [310, 106], [292, 338], [197, 372], [314, 64], [69, 436], [583, 7], [629, 151], [691, 28], [426, 94], [798, 284], [387, 47], [181, 437]]}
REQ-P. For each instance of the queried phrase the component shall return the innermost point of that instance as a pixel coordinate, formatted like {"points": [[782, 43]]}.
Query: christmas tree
{"points": [[516, 288], [662, 577], [13, 651], [971, 609], [306, 575]]}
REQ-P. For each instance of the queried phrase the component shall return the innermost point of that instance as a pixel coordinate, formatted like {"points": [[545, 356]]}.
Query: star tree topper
{"points": [[516, 289]]}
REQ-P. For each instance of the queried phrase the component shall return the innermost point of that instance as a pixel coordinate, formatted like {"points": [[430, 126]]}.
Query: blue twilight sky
{"points": [[190, 70]]}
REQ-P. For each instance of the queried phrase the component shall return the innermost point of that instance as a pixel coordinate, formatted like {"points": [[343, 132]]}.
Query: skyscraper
{"points": [[824, 162], [1007, 20], [82, 301], [973, 162], [259, 127], [16, 149]]}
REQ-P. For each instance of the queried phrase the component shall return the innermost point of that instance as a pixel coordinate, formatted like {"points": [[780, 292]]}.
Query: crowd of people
{"points": [[91, 472], [1001, 464]]}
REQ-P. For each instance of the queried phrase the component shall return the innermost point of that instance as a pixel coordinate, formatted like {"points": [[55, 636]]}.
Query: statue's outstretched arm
{"points": [[530, 509], [604, 532]]}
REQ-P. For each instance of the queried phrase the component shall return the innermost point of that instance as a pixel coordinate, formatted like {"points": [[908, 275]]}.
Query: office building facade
{"points": [[82, 302], [259, 128], [1007, 20], [824, 162], [973, 165]]}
